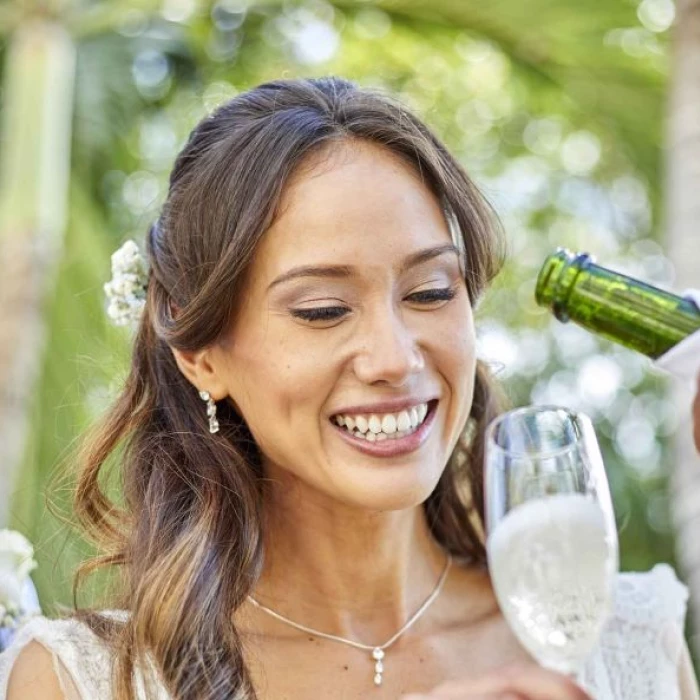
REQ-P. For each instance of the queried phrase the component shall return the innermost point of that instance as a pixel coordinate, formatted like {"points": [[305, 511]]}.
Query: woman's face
{"points": [[382, 328]]}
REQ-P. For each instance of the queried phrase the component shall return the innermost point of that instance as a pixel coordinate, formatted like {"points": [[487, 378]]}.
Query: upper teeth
{"points": [[387, 423]]}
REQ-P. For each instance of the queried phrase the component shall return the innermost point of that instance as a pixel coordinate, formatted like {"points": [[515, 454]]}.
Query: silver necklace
{"points": [[378, 650]]}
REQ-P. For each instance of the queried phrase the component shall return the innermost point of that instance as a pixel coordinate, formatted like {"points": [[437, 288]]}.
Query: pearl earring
{"points": [[211, 411]]}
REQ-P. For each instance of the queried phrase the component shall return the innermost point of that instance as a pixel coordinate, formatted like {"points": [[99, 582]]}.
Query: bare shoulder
{"points": [[33, 675]]}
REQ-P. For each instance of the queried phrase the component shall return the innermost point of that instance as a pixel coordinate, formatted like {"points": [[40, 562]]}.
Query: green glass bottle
{"points": [[623, 309]]}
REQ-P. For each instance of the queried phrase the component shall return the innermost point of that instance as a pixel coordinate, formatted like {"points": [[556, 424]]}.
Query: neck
{"points": [[356, 574]]}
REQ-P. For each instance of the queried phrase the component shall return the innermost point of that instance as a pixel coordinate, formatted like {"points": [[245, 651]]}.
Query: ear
{"points": [[197, 367]]}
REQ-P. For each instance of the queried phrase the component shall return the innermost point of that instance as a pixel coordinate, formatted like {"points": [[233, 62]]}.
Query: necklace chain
{"points": [[377, 650]]}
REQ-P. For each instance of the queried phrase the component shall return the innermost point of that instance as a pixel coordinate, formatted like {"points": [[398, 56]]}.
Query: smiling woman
{"points": [[314, 339], [312, 278]]}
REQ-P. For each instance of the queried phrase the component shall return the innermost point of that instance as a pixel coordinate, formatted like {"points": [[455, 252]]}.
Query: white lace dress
{"points": [[641, 656]]}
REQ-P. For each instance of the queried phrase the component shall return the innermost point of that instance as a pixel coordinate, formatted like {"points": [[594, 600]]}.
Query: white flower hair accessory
{"points": [[126, 291]]}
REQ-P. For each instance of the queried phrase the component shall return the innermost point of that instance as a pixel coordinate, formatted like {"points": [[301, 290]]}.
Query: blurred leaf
{"points": [[86, 356]]}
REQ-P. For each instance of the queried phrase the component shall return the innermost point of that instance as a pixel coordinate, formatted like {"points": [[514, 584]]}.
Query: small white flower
{"points": [[128, 259], [16, 553], [16, 562], [126, 291]]}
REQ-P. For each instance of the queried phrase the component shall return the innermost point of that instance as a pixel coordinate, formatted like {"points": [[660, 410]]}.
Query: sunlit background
{"points": [[555, 108]]}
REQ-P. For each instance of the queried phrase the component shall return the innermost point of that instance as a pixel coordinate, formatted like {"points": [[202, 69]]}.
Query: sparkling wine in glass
{"points": [[551, 536]]}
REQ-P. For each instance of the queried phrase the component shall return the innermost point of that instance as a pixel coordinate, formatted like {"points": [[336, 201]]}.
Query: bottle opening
{"points": [[548, 278]]}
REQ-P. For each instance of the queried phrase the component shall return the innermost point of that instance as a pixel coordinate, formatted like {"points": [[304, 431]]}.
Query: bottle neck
{"points": [[615, 306]]}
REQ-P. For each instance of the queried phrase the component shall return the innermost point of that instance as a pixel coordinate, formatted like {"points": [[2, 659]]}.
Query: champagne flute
{"points": [[551, 536]]}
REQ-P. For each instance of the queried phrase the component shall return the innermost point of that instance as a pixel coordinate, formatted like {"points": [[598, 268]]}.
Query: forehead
{"points": [[354, 203]]}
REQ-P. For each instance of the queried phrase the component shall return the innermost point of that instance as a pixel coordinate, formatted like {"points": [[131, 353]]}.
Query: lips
{"points": [[392, 446], [383, 425]]}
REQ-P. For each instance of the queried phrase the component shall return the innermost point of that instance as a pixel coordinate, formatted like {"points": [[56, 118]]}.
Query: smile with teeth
{"points": [[384, 426]]}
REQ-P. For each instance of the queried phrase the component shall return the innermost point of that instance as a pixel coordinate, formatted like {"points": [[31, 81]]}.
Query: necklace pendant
{"points": [[378, 655]]}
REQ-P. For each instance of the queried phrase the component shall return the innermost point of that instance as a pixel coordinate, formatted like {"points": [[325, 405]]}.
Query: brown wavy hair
{"points": [[187, 539]]}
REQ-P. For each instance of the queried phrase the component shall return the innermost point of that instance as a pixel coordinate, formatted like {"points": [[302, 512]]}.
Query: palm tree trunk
{"points": [[34, 172], [683, 219]]}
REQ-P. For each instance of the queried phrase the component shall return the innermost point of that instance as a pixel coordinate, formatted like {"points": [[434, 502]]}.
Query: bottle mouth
{"points": [[557, 279], [548, 278]]}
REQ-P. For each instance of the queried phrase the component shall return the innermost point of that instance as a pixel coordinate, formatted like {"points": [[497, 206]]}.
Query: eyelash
{"points": [[334, 313]]}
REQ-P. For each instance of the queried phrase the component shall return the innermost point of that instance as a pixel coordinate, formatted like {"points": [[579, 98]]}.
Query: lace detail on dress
{"points": [[637, 658], [82, 654]]}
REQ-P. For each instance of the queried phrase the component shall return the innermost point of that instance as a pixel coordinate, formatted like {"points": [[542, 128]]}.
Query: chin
{"points": [[390, 491]]}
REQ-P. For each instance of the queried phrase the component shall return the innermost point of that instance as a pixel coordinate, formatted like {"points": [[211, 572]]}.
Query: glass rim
{"points": [[575, 416]]}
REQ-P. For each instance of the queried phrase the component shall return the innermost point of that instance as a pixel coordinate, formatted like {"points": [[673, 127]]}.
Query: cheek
{"points": [[456, 345], [455, 342], [280, 386]]}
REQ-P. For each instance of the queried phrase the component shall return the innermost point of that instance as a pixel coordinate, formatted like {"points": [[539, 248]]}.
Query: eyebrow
{"points": [[344, 271]]}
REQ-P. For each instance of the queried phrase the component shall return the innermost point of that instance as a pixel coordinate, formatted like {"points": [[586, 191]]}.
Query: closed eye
{"points": [[333, 313], [321, 313], [430, 296]]}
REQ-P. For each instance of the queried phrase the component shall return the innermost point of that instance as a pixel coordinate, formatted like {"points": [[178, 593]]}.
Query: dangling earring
{"points": [[211, 411]]}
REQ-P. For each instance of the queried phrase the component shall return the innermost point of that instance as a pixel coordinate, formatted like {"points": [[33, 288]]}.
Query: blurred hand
{"points": [[512, 683], [696, 416]]}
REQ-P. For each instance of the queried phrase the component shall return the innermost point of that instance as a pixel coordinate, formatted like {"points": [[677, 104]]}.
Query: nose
{"points": [[388, 351]]}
